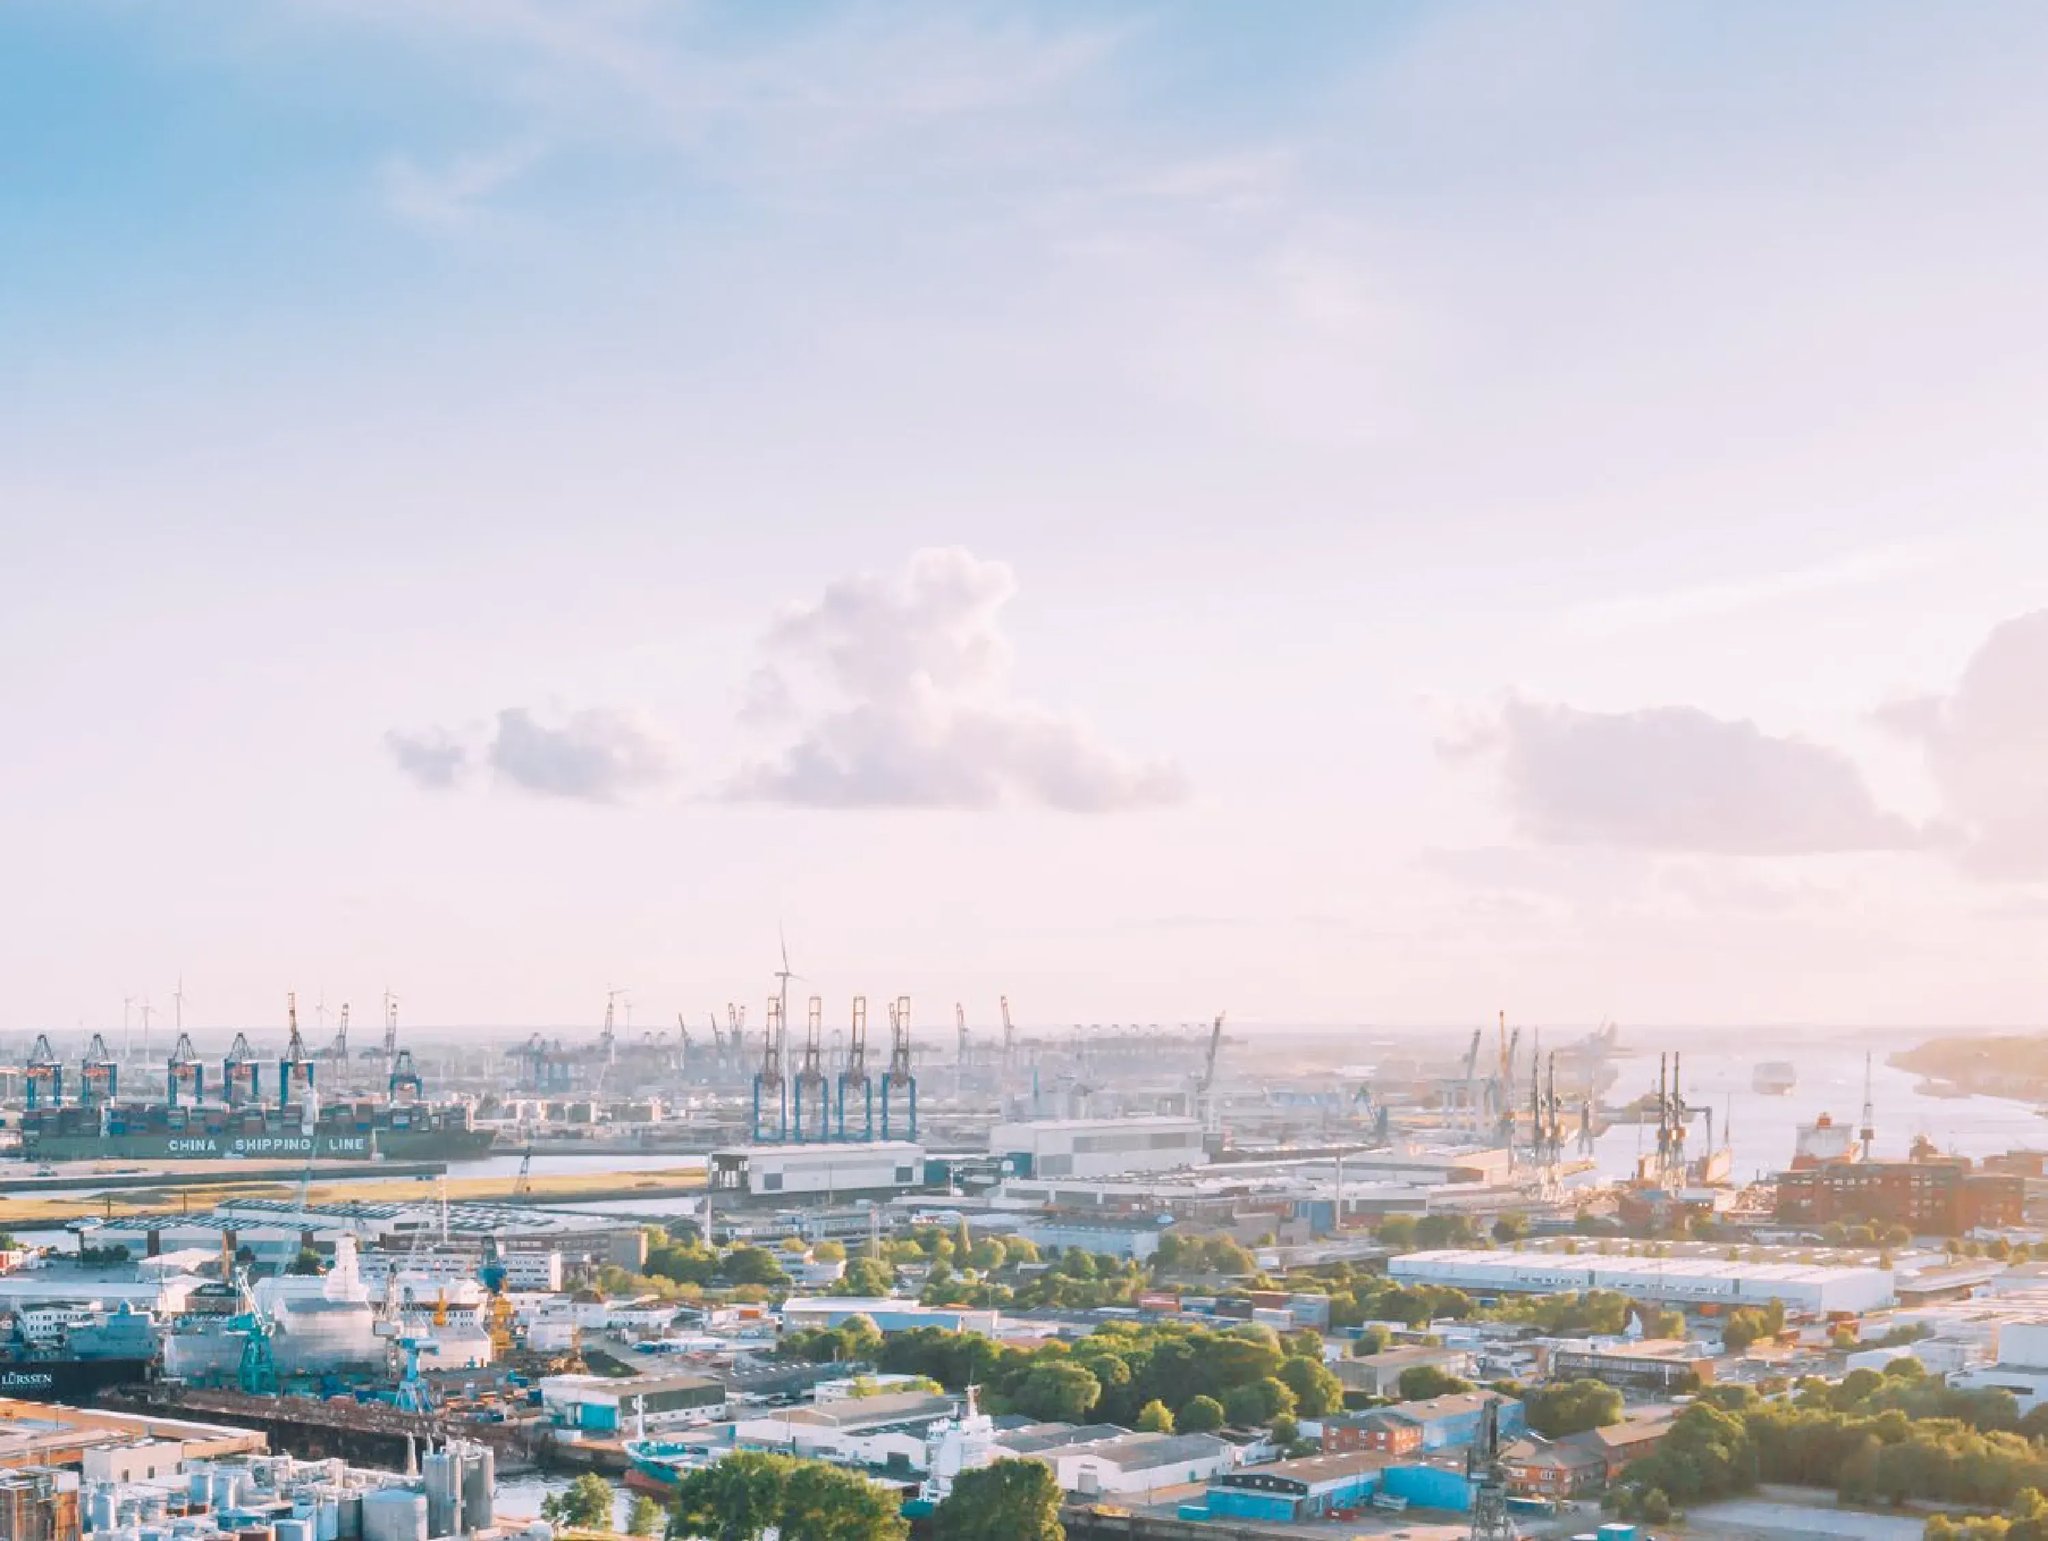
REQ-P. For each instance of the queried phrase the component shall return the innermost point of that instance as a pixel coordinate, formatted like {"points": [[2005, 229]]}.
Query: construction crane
{"points": [[771, 1092], [810, 1077], [99, 1075], [900, 1076], [295, 1069], [853, 1074], [241, 1074], [186, 1073], [44, 1074]]}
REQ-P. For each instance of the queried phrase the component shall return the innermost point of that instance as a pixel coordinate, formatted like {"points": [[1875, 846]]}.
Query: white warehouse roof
{"points": [[1680, 1280]]}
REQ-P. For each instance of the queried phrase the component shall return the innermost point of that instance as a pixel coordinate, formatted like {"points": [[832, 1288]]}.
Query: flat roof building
{"points": [[1097, 1147], [826, 1169], [1680, 1281]]}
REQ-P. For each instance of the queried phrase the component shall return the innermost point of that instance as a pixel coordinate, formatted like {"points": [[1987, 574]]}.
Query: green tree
{"points": [[734, 1499], [752, 1265], [823, 1503], [586, 1504], [866, 1277], [1373, 1340], [1005, 1501], [1572, 1407], [1317, 1391], [1155, 1417], [1426, 1380], [1199, 1415], [1397, 1231], [643, 1518], [1258, 1402], [1056, 1392], [306, 1263], [859, 1337]]}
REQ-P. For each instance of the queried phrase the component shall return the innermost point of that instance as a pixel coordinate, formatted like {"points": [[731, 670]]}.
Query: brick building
{"points": [[1933, 1196]]}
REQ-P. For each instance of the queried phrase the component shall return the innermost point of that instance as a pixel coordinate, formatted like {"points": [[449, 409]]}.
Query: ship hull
{"points": [[75, 1381], [392, 1144]]}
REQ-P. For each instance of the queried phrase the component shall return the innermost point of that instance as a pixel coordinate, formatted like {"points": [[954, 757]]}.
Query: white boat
{"points": [[1775, 1078]]}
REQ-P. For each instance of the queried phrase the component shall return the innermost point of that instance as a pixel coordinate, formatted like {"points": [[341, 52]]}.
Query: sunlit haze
{"points": [[1380, 516]]}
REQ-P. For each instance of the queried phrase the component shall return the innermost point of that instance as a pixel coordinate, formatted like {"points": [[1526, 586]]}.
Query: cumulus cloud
{"points": [[591, 756], [917, 709], [433, 759], [1987, 746], [1675, 778]]}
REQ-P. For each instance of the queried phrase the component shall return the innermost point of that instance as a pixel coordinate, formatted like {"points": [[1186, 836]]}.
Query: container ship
{"points": [[362, 1130], [229, 1112]]}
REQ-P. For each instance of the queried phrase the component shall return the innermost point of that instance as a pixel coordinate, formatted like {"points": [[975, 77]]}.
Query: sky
{"points": [[1348, 514]]}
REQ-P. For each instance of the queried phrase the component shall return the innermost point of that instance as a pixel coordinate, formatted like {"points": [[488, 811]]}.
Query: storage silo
{"points": [[442, 1471], [479, 1486], [395, 1514]]}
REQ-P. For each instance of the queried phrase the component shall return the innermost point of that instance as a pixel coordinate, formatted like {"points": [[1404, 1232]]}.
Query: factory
{"points": [[1679, 1281], [1097, 1147], [826, 1169]]}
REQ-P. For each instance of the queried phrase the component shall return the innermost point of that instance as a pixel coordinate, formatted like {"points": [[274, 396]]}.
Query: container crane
{"points": [[241, 1076], [186, 1073], [338, 1049], [44, 1074], [295, 1069], [1208, 1105], [99, 1075], [854, 1073], [405, 1076], [900, 1076], [810, 1077], [771, 1091], [1469, 1079]]}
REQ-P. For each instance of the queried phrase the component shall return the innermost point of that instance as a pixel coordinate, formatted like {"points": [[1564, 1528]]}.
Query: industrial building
{"points": [[1097, 1147], [889, 1313], [1679, 1281], [1662, 1365], [884, 1432], [1930, 1195], [827, 1169], [611, 1405]]}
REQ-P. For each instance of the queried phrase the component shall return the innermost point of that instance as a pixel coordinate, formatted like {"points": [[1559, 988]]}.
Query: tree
{"points": [[1511, 1228], [1199, 1415], [1317, 1391], [1743, 1328], [1258, 1402], [1434, 1231], [1397, 1231], [1005, 1501], [1572, 1407], [644, 1517], [823, 1503], [1155, 1417], [1426, 1380], [585, 1504], [1056, 1392], [866, 1277], [307, 1263], [752, 1265], [859, 1337], [1373, 1340], [734, 1499]]}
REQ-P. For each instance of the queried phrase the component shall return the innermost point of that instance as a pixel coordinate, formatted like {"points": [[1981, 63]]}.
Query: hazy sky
{"points": [[1343, 513]]}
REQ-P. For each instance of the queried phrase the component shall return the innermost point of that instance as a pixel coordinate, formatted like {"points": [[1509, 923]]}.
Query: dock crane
{"points": [[900, 1076], [771, 1091], [44, 1074], [853, 1074], [295, 1069], [405, 1077], [1009, 1040], [389, 1051], [810, 1078], [241, 1074], [1469, 1079], [736, 1024], [99, 1075], [1486, 1472], [960, 1058], [717, 1046], [186, 1074]]}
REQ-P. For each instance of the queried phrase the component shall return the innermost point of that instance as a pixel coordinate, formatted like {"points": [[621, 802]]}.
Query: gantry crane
{"points": [[43, 1075], [295, 1068], [810, 1078], [771, 1091], [185, 1076], [241, 1075], [99, 1075], [854, 1073], [900, 1076]]}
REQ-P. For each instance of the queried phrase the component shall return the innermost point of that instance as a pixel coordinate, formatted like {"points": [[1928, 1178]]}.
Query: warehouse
{"points": [[1680, 1281], [1097, 1147], [889, 1313], [878, 1168]]}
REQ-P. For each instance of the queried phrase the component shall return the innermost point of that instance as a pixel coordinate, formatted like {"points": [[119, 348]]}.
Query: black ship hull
{"points": [[76, 1381]]}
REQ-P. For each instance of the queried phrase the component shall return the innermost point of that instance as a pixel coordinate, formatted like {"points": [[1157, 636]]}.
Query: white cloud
{"points": [[434, 759], [1987, 745], [455, 194], [1675, 778], [921, 713]]}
